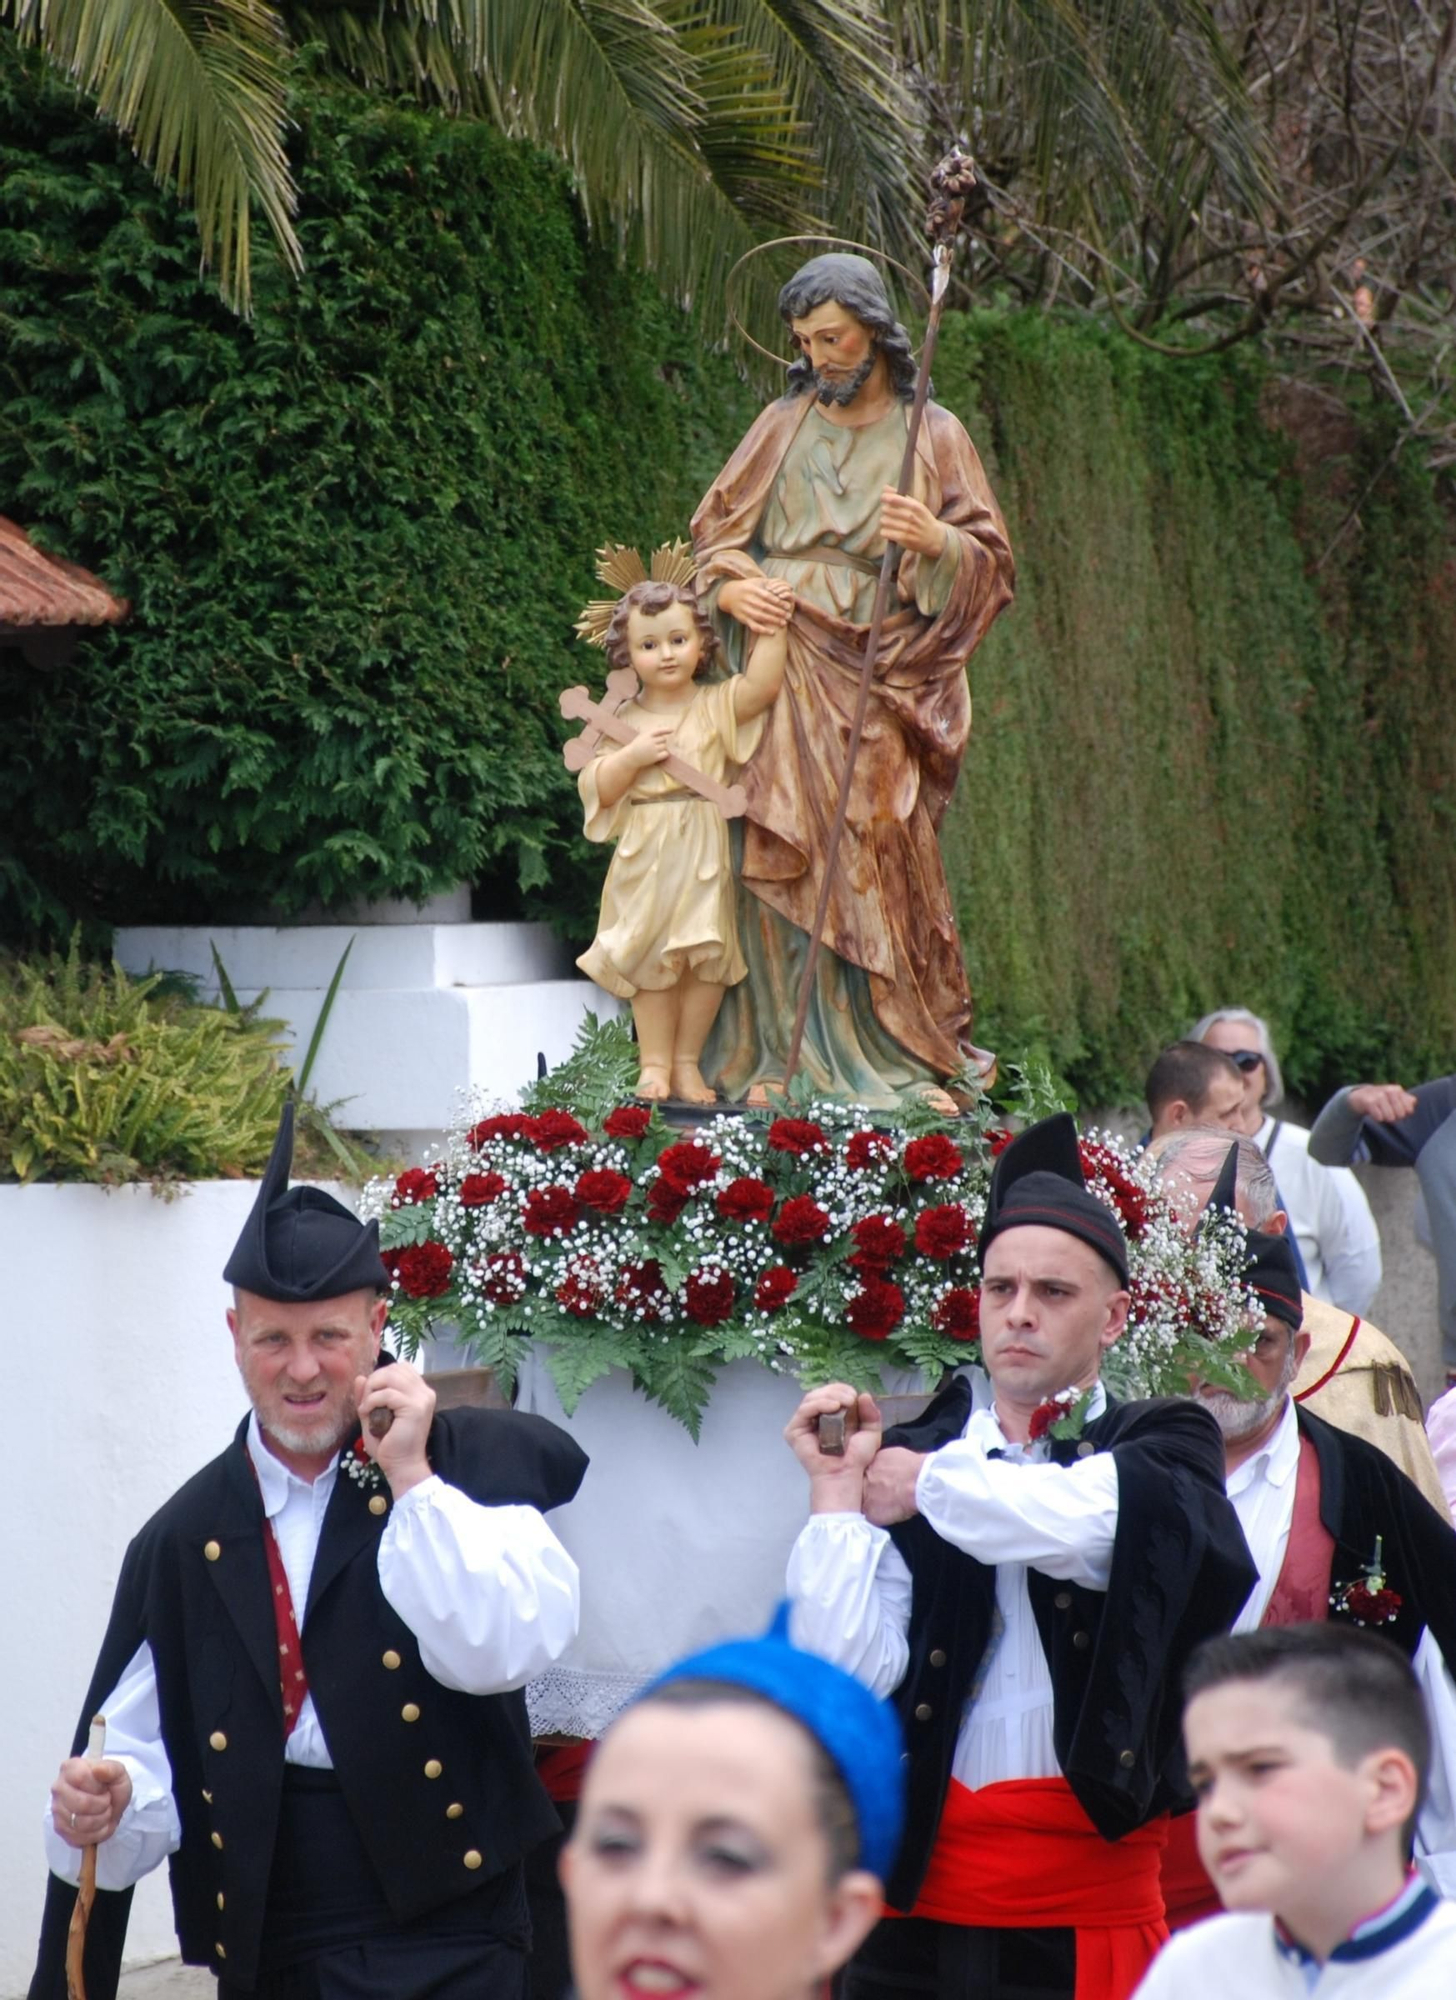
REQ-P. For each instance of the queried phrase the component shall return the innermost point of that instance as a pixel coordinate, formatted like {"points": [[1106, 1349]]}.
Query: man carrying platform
{"points": [[308, 1675], [1032, 1601]]}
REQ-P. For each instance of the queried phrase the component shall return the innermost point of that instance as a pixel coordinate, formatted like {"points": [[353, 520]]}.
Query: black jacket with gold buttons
{"points": [[440, 1784], [1180, 1572]]}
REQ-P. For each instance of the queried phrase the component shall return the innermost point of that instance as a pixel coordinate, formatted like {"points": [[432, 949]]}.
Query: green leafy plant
{"points": [[104, 1078]]}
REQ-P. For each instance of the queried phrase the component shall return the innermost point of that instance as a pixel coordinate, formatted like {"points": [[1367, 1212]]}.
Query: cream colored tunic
{"points": [[668, 903]]}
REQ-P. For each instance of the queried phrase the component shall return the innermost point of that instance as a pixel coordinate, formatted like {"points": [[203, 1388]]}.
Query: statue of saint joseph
{"points": [[809, 496]]}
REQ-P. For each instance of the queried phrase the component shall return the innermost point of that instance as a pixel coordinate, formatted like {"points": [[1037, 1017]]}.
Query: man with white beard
{"points": [[1336, 1531]]}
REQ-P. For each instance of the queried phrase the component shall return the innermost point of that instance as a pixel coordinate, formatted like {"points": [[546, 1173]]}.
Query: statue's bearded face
{"points": [[839, 348]]}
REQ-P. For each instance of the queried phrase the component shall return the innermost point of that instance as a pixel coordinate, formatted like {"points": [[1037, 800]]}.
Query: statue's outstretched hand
{"points": [[761, 603]]}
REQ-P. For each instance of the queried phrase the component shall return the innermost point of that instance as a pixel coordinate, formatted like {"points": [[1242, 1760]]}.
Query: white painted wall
{"points": [[425, 1013], [120, 1383]]}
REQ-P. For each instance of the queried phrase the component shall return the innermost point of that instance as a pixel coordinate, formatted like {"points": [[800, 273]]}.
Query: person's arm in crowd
{"points": [[124, 1805], [488, 1591], [1349, 1243], [1435, 1847], [1059, 1519], [1373, 1121], [847, 1583]]}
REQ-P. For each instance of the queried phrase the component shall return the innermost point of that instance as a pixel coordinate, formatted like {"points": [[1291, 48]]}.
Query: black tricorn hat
{"points": [[1039, 1179], [1273, 1274], [299, 1244]]}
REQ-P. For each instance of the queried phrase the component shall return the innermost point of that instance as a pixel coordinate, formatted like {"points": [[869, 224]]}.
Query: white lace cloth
{"points": [[679, 1544]]}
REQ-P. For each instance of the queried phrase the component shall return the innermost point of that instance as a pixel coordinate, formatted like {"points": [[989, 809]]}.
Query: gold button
{"points": [[208, 1797], [454, 1810], [391, 1659], [1063, 1600], [937, 1657], [411, 1711], [219, 1899], [472, 1857], [1081, 1640], [379, 1505], [1086, 1448], [212, 1550], [1127, 1759], [218, 1740], [434, 1768], [924, 1712], [217, 1840], [220, 1949]]}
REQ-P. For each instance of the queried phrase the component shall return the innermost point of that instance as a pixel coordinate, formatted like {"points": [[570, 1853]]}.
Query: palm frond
{"points": [[197, 88]]}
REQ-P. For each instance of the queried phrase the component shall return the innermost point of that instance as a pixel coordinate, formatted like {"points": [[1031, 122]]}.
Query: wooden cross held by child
{"points": [[577, 705]]}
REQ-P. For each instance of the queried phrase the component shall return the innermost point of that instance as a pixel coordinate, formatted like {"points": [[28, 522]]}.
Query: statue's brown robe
{"points": [[890, 910]]}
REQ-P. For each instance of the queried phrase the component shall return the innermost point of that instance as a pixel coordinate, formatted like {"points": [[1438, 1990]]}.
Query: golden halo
{"points": [[838, 242]]}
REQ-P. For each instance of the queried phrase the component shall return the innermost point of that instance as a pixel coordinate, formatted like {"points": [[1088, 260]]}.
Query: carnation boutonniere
{"points": [[361, 1468], [1060, 1416], [1369, 1600]]}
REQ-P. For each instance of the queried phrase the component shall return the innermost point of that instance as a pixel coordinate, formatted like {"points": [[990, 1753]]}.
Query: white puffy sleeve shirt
{"points": [[1014, 1511]]}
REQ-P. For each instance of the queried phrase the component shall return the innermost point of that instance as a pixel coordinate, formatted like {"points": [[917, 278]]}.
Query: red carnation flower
{"points": [[415, 1184], [581, 1292], [775, 1288], [553, 1130], [423, 1270], [746, 1200], [797, 1136], [708, 1297], [1372, 1607], [958, 1314], [505, 1125], [606, 1192], [997, 1140], [941, 1232], [549, 1210], [868, 1149], [801, 1220], [640, 1288], [878, 1309], [478, 1189], [665, 1203], [687, 1165], [503, 1279], [933, 1158], [877, 1243], [628, 1121], [1050, 1412]]}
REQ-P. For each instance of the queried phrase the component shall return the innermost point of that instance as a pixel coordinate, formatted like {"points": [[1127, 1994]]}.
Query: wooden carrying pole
{"points": [[950, 183], [86, 1893]]}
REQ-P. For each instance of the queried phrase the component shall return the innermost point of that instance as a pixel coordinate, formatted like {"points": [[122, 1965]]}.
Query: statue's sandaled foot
{"points": [[938, 1100], [688, 1084], [758, 1097], [653, 1082]]}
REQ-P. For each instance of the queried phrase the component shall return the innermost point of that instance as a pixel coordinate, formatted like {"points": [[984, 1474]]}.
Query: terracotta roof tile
{"points": [[36, 589]]}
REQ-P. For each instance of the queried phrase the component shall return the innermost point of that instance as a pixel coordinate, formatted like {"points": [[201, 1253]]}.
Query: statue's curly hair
{"points": [[650, 598], [855, 284]]}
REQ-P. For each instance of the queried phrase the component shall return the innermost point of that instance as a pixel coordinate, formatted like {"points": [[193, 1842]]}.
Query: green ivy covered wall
{"points": [[1213, 757]]}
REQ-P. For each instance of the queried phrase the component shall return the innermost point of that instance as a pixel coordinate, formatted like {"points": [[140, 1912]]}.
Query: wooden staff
{"points": [[950, 184], [86, 1892]]}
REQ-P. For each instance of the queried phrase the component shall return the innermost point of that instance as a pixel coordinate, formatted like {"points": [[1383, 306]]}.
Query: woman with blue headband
{"points": [[736, 1826]]}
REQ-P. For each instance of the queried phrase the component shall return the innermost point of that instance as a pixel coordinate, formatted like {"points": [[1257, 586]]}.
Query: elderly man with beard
{"points": [[1336, 1532], [1352, 1375], [809, 500], [310, 1678]]}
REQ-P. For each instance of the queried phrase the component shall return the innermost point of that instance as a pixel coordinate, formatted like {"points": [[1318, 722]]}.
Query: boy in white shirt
{"points": [[1308, 1748]]}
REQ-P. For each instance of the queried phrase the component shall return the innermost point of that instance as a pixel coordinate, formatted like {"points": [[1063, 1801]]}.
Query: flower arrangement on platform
{"points": [[826, 1241]]}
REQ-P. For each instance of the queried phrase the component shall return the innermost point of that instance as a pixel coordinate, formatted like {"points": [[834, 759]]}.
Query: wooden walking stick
{"points": [[950, 184], [86, 1893]]}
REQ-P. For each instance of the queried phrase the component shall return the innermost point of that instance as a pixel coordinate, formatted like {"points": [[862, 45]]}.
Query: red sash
{"points": [[561, 1767], [1301, 1596], [292, 1676], [1025, 1855]]}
